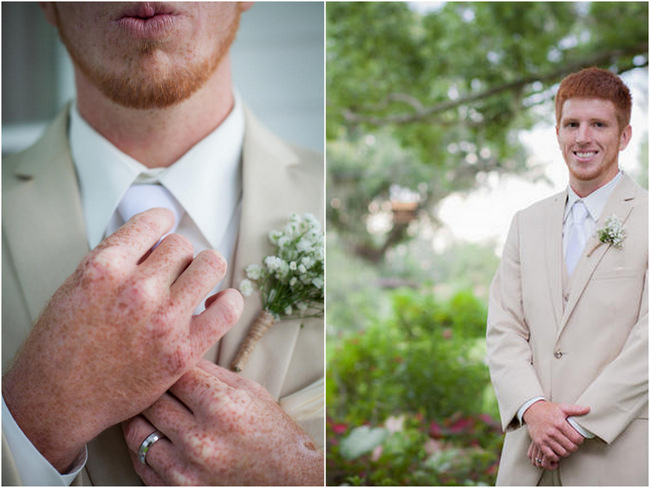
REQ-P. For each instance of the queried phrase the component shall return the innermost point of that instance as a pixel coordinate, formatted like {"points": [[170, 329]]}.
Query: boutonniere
{"points": [[612, 232], [291, 280]]}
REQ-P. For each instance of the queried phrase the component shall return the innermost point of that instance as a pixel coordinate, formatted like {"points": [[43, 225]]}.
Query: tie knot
{"points": [[141, 197], [580, 212]]}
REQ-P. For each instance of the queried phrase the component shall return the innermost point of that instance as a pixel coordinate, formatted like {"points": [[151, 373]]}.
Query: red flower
{"points": [[435, 430], [461, 425]]}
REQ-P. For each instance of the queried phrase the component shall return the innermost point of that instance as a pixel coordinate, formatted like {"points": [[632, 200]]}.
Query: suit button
{"points": [[557, 354]]}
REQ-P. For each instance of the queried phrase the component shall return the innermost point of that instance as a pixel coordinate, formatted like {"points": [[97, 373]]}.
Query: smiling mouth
{"points": [[585, 154]]}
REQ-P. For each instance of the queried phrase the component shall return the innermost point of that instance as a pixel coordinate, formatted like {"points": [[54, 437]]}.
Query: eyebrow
{"points": [[576, 119]]}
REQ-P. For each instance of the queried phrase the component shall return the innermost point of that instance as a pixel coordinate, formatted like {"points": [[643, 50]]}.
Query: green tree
{"points": [[433, 101]]}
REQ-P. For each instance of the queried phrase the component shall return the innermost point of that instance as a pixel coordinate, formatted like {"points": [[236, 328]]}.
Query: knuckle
{"points": [[201, 446], [147, 222], [213, 261], [177, 356], [132, 436], [180, 244], [231, 307], [104, 266], [144, 292]]}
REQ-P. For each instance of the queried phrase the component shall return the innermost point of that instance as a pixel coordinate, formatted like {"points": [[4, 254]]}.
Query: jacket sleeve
{"points": [[508, 350], [307, 407], [620, 392]]}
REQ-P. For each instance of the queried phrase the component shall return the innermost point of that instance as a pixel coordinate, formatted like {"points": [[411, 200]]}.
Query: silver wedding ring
{"points": [[539, 460], [147, 443]]}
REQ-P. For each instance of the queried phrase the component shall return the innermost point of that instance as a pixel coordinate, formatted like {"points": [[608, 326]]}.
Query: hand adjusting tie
{"points": [[147, 443]]}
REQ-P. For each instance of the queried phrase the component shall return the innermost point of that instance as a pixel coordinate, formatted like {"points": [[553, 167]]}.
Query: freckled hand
{"points": [[116, 335]]}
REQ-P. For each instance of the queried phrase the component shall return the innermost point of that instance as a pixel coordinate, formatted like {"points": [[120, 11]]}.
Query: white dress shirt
{"points": [[595, 203], [206, 181]]}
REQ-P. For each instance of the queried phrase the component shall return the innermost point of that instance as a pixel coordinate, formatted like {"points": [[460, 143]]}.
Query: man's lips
{"points": [[145, 10], [585, 154], [149, 20]]}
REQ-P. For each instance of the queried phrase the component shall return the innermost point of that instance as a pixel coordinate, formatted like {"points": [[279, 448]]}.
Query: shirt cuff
{"points": [[32, 467], [581, 430], [524, 407]]}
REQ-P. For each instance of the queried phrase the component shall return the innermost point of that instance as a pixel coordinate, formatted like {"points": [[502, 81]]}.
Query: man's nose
{"points": [[583, 134]]}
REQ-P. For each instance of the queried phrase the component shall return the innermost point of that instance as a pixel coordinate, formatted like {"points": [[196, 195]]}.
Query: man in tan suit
{"points": [[567, 321], [105, 344]]}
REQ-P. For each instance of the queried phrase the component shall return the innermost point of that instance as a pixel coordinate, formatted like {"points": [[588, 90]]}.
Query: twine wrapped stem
{"points": [[262, 323]]}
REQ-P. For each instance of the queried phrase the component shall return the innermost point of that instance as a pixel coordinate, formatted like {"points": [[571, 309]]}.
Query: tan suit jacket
{"points": [[44, 239], [579, 341]]}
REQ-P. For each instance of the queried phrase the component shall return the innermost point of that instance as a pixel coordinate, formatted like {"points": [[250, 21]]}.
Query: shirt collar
{"points": [[206, 180], [595, 201]]}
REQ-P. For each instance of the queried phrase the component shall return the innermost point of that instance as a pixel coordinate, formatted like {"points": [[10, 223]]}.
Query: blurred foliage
{"points": [[409, 451], [409, 399], [358, 292], [433, 101], [427, 357]]}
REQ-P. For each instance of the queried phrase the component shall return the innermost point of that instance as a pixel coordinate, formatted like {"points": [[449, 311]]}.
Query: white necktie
{"points": [[141, 197], [576, 238]]}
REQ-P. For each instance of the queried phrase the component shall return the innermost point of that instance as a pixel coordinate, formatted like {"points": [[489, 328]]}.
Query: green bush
{"points": [[423, 365], [419, 361]]}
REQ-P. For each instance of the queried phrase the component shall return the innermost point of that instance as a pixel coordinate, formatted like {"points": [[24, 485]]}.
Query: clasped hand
{"points": [[222, 429], [116, 335], [553, 437]]}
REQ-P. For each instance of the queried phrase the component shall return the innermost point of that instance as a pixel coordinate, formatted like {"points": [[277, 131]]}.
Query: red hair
{"points": [[596, 83]]}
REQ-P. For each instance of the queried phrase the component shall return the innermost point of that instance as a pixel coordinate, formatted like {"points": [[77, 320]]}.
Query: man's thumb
{"points": [[571, 410], [222, 312]]}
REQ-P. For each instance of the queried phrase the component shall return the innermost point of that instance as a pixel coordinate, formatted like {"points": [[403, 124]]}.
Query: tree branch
{"points": [[423, 113]]}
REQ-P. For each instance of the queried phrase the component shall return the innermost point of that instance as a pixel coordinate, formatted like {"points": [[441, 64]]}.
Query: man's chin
{"points": [[152, 86], [147, 96]]}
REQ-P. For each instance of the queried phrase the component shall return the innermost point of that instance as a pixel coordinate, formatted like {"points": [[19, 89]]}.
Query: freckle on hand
{"points": [[310, 445]]}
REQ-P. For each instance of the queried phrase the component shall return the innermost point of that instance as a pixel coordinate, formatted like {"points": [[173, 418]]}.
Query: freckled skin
{"points": [[115, 336], [119, 332], [222, 429]]}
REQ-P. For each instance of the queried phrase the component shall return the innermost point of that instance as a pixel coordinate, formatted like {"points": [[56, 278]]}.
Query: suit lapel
{"points": [[553, 249], [46, 213], [267, 162], [620, 204]]}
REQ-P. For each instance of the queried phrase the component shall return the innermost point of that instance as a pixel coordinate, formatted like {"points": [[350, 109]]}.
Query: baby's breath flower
{"points": [[291, 279], [304, 245], [246, 287], [253, 271], [274, 235], [612, 232]]}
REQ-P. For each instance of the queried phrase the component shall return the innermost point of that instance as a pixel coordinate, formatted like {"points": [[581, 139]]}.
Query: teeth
{"points": [[586, 154]]}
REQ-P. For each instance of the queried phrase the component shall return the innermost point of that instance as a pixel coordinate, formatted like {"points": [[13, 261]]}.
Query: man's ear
{"points": [[48, 9], [626, 135]]}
